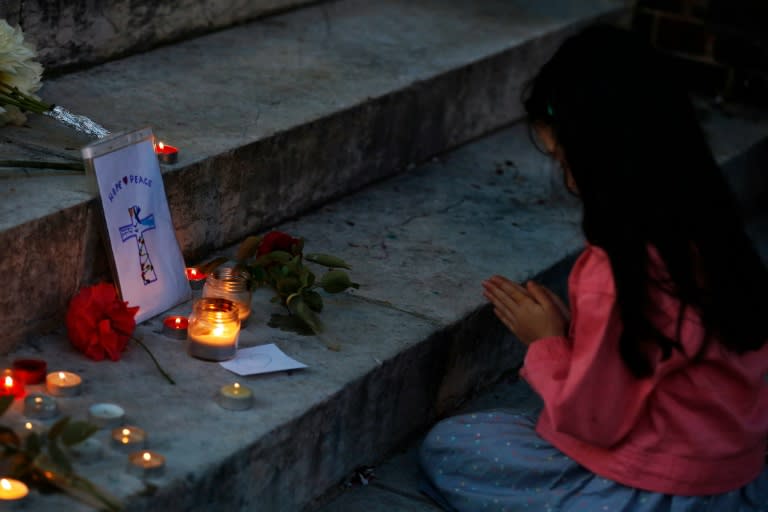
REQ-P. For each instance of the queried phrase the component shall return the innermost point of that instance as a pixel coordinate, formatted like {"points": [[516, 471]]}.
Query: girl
{"points": [[653, 384]]}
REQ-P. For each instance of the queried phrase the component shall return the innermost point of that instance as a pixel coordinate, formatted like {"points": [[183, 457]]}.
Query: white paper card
{"points": [[147, 262], [261, 359]]}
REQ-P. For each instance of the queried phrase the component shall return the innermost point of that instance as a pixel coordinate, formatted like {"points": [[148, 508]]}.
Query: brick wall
{"points": [[721, 46]]}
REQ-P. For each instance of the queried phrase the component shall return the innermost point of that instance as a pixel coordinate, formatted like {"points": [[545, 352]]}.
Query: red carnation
{"points": [[99, 324], [277, 241]]}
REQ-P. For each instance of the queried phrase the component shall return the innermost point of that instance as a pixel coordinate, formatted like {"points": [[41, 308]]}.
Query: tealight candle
{"points": [[235, 397], [40, 406], [63, 383], [106, 415], [175, 327], [166, 154], [146, 464], [30, 371], [32, 427], [129, 437], [11, 489], [196, 278], [214, 329], [11, 385]]}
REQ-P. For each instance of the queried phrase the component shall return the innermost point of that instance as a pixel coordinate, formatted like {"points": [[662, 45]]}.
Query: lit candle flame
{"points": [[38, 399], [160, 146], [5, 484], [8, 381], [237, 385], [125, 440], [126, 432], [62, 376], [28, 425], [218, 330], [147, 456], [178, 321], [193, 272]]}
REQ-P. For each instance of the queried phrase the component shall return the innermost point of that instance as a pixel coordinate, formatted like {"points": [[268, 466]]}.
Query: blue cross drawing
{"points": [[136, 229]]}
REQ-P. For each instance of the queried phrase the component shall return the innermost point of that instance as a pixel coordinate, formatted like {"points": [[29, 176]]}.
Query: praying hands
{"points": [[531, 312]]}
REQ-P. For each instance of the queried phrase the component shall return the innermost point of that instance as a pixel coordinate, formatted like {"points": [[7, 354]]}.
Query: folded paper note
{"points": [[261, 359]]}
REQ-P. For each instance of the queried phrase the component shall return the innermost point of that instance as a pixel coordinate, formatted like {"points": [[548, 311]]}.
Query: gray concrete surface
{"points": [[272, 118], [77, 33], [415, 341]]}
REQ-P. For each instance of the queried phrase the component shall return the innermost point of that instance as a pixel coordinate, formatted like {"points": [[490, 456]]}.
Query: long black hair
{"points": [[646, 177]]}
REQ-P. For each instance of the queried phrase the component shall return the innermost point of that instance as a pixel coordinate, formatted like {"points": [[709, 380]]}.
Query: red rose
{"points": [[276, 241], [99, 324]]}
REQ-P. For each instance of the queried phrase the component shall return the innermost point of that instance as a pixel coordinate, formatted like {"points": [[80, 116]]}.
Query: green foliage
{"points": [[276, 260], [42, 461]]}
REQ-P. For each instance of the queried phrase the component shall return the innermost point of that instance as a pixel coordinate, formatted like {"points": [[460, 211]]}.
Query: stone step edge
{"points": [[238, 207]]}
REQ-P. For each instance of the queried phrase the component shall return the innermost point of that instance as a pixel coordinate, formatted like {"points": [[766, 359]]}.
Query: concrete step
{"points": [[74, 34], [416, 340], [272, 118]]}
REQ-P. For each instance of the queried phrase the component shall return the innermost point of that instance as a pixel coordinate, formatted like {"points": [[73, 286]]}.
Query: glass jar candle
{"points": [[232, 284], [214, 329]]}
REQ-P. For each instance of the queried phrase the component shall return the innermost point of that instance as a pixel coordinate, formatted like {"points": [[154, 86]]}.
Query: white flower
{"points": [[17, 69]]}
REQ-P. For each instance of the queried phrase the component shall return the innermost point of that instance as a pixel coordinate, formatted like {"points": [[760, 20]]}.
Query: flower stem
{"points": [[160, 368]]}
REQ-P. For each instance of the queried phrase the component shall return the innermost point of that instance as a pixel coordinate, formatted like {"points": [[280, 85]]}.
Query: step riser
{"points": [[225, 198], [76, 33]]}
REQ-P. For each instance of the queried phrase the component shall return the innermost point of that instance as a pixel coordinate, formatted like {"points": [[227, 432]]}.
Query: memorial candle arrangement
{"points": [[167, 154], [63, 383], [11, 385], [214, 329], [232, 284]]}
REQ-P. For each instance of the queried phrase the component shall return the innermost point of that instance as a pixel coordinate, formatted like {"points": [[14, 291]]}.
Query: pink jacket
{"points": [[689, 429]]}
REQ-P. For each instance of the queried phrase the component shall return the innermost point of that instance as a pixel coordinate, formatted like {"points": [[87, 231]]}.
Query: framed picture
{"points": [[146, 260]]}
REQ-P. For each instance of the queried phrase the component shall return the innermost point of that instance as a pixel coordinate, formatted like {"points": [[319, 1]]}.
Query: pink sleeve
{"points": [[587, 391]]}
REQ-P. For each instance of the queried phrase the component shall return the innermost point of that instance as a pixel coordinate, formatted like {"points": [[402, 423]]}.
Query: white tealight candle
{"points": [[129, 437], [11, 489], [40, 406], [106, 415], [146, 463], [235, 397], [63, 383]]}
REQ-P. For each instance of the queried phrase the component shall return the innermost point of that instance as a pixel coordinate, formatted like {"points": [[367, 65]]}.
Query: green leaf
{"points": [[59, 458], [8, 437], [288, 285], [281, 257], [5, 403], [248, 248], [335, 281], [327, 260], [313, 300], [207, 268], [77, 432], [290, 323], [298, 307], [33, 444], [57, 428]]}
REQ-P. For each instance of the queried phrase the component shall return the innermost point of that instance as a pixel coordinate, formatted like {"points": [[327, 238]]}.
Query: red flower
{"points": [[99, 324], [277, 241]]}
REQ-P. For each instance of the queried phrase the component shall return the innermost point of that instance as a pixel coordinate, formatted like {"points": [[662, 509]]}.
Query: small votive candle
{"points": [[146, 464], [106, 415], [196, 278], [30, 371], [214, 329], [63, 383], [235, 397], [11, 385], [175, 327], [40, 406], [129, 437], [166, 153], [11, 489]]}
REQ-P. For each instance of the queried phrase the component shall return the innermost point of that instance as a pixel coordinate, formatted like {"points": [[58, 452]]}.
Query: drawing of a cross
{"points": [[136, 229]]}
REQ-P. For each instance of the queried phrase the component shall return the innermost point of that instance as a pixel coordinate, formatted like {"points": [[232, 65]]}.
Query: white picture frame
{"points": [[147, 264]]}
